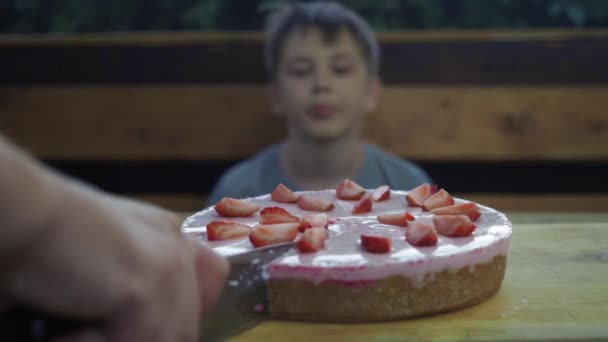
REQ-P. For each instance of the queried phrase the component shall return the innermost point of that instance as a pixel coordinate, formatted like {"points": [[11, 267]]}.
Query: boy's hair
{"points": [[329, 17]]}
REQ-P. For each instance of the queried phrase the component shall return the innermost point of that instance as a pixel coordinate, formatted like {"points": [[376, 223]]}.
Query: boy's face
{"points": [[323, 88]]}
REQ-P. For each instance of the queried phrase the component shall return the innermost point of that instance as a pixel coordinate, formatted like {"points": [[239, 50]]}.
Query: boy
{"points": [[323, 60]]}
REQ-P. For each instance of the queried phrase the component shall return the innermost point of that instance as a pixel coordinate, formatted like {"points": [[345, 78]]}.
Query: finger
{"points": [[148, 213], [212, 270]]}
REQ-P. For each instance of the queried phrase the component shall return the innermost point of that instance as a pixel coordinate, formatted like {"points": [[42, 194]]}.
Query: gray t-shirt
{"points": [[263, 172]]}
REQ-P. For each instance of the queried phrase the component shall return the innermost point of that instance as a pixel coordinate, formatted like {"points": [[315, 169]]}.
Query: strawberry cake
{"points": [[365, 255]]}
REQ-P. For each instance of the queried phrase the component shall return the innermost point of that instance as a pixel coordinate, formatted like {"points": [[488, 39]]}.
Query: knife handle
{"points": [[27, 325]]}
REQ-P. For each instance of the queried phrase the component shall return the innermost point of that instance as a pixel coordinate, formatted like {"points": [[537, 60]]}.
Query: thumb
{"points": [[212, 270]]}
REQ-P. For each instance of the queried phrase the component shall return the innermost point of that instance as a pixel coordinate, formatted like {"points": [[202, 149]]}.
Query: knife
{"points": [[242, 305], [243, 302]]}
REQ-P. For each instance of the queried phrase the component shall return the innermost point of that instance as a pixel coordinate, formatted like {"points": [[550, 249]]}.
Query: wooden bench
{"points": [[516, 120]]}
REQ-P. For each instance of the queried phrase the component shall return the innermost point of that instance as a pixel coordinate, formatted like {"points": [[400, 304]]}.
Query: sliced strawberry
{"points": [[312, 240], [349, 190], [382, 193], [314, 220], [269, 234], [272, 215], [454, 225], [470, 209], [440, 199], [230, 207], [416, 196], [222, 230], [314, 204], [363, 206], [396, 219], [375, 243], [283, 194], [421, 234]]}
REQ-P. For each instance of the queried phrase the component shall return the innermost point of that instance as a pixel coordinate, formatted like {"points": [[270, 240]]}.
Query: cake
{"points": [[365, 255]]}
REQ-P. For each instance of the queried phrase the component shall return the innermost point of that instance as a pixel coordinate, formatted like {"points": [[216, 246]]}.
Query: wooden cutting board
{"points": [[556, 288]]}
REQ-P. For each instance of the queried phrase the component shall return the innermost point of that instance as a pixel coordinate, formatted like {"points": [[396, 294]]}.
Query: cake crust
{"points": [[393, 298]]}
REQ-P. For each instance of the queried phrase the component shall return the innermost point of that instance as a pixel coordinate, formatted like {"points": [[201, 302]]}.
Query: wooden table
{"points": [[556, 288]]}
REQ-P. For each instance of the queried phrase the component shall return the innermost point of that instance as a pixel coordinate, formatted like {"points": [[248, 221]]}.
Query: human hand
{"points": [[119, 263]]}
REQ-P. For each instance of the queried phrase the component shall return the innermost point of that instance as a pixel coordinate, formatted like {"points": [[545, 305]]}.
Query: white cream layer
{"points": [[344, 261]]}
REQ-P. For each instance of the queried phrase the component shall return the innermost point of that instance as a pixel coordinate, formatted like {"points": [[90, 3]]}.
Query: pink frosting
{"points": [[344, 262]]}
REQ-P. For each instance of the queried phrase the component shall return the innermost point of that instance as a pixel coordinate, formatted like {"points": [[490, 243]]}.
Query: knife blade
{"points": [[243, 303]]}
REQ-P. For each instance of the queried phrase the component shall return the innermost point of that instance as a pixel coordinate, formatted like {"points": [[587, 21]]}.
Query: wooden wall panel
{"points": [[414, 57], [231, 122]]}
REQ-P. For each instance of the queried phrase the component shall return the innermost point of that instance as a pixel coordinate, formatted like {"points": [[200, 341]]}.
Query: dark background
{"points": [[28, 62], [66, 16]]}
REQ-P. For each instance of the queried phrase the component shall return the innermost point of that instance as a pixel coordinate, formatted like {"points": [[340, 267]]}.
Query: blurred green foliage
{"points": [[49, 16]]}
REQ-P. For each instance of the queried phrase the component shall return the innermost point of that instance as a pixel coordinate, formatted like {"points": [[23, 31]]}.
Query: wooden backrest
{"points": [[150, 114]]}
